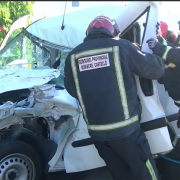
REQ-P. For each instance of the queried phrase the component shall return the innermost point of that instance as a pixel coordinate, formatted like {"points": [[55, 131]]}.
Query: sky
{"points": [[168, 10]]}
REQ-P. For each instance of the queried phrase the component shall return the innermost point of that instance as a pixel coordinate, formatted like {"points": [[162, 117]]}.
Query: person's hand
{"points": [[160, 39], [152, 42]]}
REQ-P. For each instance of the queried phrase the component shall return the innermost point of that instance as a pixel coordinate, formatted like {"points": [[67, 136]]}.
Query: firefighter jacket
{"points": [[100, 74], [171, 56]]}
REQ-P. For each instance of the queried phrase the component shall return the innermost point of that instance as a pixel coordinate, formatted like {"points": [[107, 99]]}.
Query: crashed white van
{"points": [[41, 125]]}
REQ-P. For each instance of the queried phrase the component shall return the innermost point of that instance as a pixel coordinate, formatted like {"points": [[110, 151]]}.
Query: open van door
{"points": [[153, 119]]}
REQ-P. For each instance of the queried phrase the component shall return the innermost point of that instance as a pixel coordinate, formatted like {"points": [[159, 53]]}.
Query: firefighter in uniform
{"points": [[163, 46], [100, 74]]}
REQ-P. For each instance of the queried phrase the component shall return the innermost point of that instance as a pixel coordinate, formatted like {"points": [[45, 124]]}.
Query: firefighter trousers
{"points": [[128, 158]]}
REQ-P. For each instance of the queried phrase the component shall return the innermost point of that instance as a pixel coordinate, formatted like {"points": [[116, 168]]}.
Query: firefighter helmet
{"points": [[101, 23], [166, 33], [163, 29]]}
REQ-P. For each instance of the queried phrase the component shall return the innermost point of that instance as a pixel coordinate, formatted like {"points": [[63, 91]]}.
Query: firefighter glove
{"points": [[160, 39], [152, 42]]}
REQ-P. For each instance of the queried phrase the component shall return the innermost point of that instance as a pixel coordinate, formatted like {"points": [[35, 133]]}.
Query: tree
{"points": [[11, 11]]}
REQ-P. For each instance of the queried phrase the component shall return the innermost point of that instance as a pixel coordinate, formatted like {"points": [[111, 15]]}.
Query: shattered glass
{"points": [[62, 64], [21, 52]]}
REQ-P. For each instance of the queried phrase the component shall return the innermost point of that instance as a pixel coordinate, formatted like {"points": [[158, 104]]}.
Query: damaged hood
{"points": [[21, 78]]}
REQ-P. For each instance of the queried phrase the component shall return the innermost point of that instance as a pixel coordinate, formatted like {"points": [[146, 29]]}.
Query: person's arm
{"points": [[144, 64], [167, 53], [68, 79], [137, 45]]}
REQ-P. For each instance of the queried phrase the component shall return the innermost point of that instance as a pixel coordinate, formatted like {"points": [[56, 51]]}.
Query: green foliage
{"points": [[10, 11]]}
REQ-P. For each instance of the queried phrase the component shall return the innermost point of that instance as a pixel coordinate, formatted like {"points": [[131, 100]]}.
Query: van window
{"points": [[22, 52], [134, 34], [14, 34]]}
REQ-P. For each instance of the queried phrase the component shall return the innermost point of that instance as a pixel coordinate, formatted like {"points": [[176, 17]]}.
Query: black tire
{"points": [[18, 159]]}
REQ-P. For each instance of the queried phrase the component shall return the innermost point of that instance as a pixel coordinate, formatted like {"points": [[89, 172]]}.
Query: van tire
{"points": [[19, 159]]}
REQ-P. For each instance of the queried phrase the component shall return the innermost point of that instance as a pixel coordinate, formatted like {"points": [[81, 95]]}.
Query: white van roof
{"points": [[76, 23]]}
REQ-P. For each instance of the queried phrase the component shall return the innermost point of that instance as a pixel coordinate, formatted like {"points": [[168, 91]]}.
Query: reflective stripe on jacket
{"points": [[100, 74]]}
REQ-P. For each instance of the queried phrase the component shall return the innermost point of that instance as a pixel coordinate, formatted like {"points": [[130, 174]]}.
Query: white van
{"points": [[41, 125]]}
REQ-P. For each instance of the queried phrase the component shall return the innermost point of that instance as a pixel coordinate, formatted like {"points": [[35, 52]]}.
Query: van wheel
{"points": [[19, 160]]}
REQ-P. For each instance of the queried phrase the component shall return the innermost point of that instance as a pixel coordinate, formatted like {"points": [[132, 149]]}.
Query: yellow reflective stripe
{"points": [[164, 42], [92, 52], [177, 101], [164, 56], [175, 138], [120, 81], [74, 71], [119, 124], [151, 170]]}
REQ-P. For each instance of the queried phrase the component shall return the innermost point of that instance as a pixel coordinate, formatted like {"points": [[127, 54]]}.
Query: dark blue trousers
{"points": [[129, 158]]}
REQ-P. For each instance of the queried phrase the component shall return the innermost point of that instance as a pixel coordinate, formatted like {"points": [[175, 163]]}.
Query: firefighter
{"points": [[100, 74], [164, 46]]}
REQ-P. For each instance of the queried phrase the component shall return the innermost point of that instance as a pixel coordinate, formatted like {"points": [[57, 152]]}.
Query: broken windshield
{"points": [[21, 52]]}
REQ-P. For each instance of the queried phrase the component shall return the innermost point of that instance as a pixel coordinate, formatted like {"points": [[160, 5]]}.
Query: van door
{"points": [[153, 118]]}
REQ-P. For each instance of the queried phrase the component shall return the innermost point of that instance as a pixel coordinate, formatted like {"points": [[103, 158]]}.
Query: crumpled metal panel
{"points": [[6, 109], [27, 111], [5, 123], [45, 91], [54, 103], [14, 79]]}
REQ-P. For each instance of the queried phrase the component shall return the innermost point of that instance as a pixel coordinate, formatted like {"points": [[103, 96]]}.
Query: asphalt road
{"points": [[95, 174]]}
